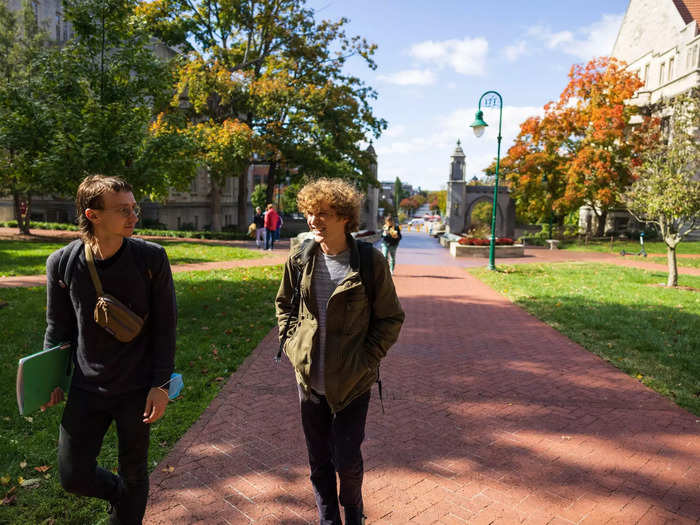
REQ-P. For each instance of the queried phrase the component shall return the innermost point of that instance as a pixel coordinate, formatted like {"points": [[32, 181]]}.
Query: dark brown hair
{"points": [[90, 194]]}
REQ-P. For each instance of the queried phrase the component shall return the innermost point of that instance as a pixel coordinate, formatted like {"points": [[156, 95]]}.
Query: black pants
{"points": [[333, 442], [86, 418]]}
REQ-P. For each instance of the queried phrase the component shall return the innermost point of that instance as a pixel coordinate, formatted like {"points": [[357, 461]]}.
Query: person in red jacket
{"points": [[271, 219]]}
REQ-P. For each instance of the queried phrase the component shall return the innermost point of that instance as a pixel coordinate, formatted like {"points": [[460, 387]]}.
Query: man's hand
{"points": [[156, 402], [55, 399]]}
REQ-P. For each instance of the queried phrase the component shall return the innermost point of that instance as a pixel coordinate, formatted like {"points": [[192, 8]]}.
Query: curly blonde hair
{"points": [[340, 196]]}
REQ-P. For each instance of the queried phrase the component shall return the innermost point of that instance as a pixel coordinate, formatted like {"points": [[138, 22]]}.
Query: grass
{"points": [[223, 315], [29, 257], [682, 262], [649, 332], [655, 247]]}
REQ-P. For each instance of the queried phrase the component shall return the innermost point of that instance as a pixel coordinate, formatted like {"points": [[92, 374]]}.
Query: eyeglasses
{"points": [[126, 211]]}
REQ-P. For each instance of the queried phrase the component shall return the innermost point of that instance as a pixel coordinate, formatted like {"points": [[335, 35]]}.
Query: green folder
{"points": [[39, 374]]}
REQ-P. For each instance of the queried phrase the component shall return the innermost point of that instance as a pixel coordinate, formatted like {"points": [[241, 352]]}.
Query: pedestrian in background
{"points": [[271, 217], [259, 220], [391, 236], [280, 222]]}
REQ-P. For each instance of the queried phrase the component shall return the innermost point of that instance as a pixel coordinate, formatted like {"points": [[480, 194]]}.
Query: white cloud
{"points": [[466, 57], [410, 77], [596, 39], [394, 130], [515, 51], [423, 159]]}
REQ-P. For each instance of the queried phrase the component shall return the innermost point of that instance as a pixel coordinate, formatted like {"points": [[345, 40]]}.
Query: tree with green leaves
{"points": [[273, 67], [666, 191], [103, 89], [24, 126], [259, 196]]}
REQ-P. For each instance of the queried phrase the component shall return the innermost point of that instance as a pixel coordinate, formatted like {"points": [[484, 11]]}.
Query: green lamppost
{"points": [[479, 126]]}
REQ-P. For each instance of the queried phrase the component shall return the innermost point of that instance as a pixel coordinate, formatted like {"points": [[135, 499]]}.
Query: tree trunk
{"points": [[600, 227], [271, 180], [215, 199], [672, 267], [243, 200]]}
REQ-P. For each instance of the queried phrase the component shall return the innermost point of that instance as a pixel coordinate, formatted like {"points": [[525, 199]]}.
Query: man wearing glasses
{"points": [[125, 382]]}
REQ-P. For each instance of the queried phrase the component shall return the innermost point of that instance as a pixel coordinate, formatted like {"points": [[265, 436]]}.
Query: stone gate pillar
{"points": [[456, 192]]}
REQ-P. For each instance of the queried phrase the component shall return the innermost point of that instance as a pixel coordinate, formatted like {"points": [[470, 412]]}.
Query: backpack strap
{"points": [[66, 263]]}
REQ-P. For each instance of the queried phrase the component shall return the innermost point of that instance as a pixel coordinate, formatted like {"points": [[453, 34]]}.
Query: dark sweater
{"points": [[102, 363]]}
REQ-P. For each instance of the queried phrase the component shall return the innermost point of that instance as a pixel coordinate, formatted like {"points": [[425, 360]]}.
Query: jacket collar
{"points": [[309, 247]]}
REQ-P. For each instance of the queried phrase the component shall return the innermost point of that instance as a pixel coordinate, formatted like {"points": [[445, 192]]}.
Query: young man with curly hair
{"points": [[335, 340], [124, 382]]}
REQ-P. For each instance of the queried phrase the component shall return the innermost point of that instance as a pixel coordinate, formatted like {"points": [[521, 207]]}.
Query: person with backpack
{"points": [[113, 298], [271, 217], [338, 315], [259, 221], [391, 236]]}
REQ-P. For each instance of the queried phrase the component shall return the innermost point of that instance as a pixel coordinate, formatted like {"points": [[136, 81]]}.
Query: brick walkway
{"points": [[491, 417]]}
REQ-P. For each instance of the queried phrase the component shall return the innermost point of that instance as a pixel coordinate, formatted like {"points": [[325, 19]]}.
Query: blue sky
{"points": [[436, 58]]}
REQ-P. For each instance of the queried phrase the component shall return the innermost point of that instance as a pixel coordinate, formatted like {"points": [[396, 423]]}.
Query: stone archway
{"points": [[505, 209]]}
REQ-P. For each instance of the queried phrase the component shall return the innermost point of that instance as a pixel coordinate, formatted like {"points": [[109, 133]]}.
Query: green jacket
{"points": [[354, 345]]}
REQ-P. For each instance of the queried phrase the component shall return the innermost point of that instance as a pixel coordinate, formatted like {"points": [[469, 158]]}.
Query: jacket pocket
{"points": [[356, 317]]}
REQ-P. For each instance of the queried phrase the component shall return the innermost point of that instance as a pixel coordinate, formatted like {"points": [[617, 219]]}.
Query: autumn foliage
{"points": [[584, 149]]}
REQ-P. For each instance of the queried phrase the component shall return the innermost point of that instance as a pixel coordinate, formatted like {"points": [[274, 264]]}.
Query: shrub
{"points": [[476, 241]]}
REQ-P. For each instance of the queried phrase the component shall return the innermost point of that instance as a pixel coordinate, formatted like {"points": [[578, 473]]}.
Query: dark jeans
{"points": [[333, 442], [86, 418], [269, 239]]}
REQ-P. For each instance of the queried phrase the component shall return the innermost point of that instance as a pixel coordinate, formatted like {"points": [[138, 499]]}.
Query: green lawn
{"points": [[656, 247], [223, 315], [649, 332], [29, 258], [682, 262]]}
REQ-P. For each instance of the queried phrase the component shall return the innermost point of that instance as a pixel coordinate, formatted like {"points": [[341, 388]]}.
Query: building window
{"points": [[671, 62], [179, 222], [696, 55], [646, 75], [662, 71], [196, 222]]}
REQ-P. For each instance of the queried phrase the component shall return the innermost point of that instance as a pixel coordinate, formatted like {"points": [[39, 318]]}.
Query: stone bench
{"points": [[553, 244], [446, 239]]}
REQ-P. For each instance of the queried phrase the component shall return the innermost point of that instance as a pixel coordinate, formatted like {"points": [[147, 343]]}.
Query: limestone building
{"points": [[660, 40]]}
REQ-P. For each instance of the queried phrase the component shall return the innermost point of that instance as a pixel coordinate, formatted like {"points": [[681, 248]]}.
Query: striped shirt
{"points": [[329, 271]]}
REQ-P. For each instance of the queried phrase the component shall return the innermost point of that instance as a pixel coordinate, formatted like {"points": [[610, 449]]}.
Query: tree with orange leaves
{"points": [[583, 151]]}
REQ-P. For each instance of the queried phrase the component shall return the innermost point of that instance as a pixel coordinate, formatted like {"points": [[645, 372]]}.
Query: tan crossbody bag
{"points": [[110, 313]]}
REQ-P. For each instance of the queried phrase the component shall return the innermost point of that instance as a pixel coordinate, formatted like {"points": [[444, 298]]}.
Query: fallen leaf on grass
{"points": [[219, 379], [4, 480], [47, 476], [29, 419], [228, 332], [22, 464], [30, 483], [169, 469], [9, 498], [42, 468], [639, 376]]}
